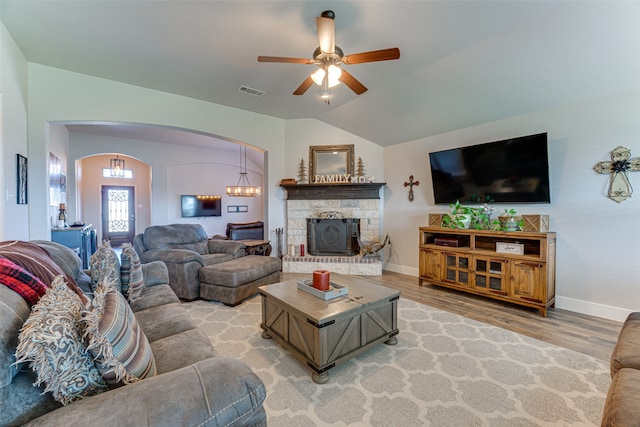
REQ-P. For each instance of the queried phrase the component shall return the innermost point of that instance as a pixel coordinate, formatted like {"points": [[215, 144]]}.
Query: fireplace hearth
{"points": [[333, 236]]}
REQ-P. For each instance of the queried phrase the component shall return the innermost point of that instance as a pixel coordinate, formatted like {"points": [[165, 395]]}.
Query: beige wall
{"points": [[13, 137]]}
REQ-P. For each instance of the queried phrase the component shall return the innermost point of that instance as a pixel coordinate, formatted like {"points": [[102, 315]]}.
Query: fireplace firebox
{"points": [[333, 236]]}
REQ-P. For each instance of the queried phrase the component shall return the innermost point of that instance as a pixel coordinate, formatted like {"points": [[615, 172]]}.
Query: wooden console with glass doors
{"points": [[517, 267]]}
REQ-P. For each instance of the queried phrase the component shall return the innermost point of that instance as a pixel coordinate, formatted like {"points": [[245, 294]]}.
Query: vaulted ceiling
{"points": [[462, 62]]}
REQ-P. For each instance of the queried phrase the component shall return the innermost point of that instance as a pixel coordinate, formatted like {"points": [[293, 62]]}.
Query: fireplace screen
{"points": [[333, 236]]}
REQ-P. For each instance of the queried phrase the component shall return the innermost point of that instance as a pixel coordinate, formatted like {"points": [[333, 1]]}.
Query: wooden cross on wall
{"points": [[621, 163], [410, 184]]}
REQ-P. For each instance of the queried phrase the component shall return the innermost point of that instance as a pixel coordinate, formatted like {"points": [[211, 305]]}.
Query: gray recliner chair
{"points": [[185, 249]]}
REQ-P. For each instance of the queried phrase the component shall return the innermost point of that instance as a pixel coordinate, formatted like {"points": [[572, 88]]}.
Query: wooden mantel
{"points": [[333, 191]]}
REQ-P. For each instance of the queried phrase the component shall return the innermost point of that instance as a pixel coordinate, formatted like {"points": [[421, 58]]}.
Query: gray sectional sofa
{"points": [[193, 385]]}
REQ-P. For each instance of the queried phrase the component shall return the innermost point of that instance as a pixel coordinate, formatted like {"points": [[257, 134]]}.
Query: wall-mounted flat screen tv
{"points": [[514, 170], [195, 206]]}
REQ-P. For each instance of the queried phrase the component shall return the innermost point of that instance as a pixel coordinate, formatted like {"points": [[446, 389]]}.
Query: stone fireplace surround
{"points": [[352, 201]]}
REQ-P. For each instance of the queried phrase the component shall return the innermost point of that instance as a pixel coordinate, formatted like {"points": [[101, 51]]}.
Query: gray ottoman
{"points": [[230, 282]]}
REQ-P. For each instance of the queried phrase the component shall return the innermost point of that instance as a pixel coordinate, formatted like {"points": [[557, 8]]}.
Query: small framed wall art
{"points": [[22, 188], [237, 208], [55, 169]]}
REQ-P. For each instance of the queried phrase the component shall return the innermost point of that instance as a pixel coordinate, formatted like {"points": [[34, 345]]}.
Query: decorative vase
{"points": [[512, 224], [464, 219]]}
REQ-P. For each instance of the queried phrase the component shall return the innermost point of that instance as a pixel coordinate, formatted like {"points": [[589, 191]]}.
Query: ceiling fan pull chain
{"points": [[325, 93]]}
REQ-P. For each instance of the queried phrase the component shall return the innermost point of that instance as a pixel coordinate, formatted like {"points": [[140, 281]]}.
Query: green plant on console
{"points": [[462, 216], [456, 217], [481, 219]]}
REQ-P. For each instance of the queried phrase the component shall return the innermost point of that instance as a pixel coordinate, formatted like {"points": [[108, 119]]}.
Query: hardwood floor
{"points": [[582, 333]]}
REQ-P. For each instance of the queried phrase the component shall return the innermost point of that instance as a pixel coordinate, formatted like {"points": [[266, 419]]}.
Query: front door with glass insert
{"points": [[118, 214]]}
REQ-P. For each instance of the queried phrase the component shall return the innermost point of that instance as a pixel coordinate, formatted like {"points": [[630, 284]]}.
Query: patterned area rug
{"points": [[446, 370]]}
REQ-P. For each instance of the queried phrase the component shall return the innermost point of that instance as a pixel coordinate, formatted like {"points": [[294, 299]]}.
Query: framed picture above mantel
{"points": [[331, 163]]}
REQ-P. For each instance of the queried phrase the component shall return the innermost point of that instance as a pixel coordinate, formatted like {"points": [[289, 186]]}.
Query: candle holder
{"points": [[62, 216]]}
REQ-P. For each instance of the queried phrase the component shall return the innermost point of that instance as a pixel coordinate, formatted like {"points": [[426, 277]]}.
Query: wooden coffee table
{"points": [[323, 333]]}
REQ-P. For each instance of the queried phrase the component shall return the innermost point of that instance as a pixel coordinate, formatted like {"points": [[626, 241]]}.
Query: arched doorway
{"points": [[182, 162], [118, 207]]}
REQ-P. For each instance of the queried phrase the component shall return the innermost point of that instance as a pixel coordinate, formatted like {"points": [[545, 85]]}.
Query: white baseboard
{"points": [[402, 269], [593, 309], [579, 306]]}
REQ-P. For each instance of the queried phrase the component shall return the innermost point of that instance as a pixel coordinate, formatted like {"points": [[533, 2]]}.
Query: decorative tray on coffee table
{"points": [[334, 291]]}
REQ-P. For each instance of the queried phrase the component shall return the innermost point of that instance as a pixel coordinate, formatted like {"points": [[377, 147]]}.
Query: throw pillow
{"points": [[50, 340], [131, 273], [116, 341], [105, 267], [70, 263], [32, 258], [21, 281]]}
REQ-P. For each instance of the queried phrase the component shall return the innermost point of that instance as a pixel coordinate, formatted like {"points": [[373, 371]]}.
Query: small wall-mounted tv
{"points": [[513, 170], [195, 206]]}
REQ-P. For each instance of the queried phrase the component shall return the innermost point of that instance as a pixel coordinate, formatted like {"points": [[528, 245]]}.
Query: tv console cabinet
{"points": [[523, 272]]}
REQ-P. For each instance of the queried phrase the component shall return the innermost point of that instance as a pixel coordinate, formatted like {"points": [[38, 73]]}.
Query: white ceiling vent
{"points": [[250, 91]]}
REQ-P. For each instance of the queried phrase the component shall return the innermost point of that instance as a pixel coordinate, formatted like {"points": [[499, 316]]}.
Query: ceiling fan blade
{"points": [[326, 33], [352, 83], [306, 84], [374, 55], [284, 59]]}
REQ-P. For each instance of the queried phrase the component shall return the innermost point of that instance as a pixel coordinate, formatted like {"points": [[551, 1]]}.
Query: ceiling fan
{"points": [[329, 58]]}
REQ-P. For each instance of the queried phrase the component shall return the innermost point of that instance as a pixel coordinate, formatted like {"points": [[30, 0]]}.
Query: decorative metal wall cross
{"points": [[621, 163], [410, 184]]}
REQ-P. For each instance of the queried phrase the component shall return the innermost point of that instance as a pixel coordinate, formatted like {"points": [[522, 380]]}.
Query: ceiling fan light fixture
{"points": [[318, 76], [329, 58], [333, 73]]}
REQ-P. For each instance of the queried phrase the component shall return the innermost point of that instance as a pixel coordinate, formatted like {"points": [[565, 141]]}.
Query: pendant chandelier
{"points": [[116, 166], [243, 188]]}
